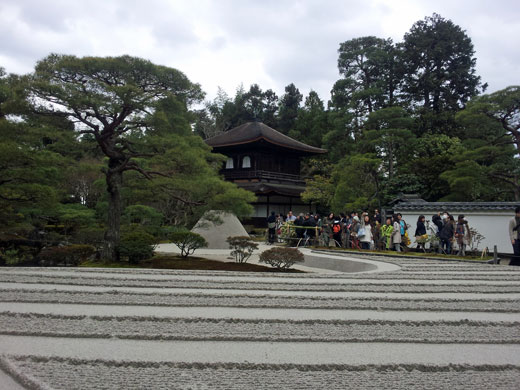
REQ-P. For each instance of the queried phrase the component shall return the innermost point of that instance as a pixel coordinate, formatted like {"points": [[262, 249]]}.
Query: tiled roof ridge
{"points": [[253, 131]]}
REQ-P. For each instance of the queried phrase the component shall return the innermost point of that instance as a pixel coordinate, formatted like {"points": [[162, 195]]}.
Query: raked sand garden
{"points": [[365, 322]]}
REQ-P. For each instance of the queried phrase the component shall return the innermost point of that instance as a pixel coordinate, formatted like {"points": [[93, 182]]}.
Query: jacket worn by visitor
{"points": [[396, 235], [513, 234], [421, 229], [367, 237], [463, 234], [447, 231], [386, 234]]}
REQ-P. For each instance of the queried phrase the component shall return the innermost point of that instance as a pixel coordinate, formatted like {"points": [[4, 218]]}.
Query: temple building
{"points": [[266, 162]]}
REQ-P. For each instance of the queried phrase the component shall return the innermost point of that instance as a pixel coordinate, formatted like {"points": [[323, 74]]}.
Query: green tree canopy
{"points": [[439, 72], [137, 114]]}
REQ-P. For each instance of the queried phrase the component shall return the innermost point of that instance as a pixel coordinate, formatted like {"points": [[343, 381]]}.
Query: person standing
{"points": [[514, 227], [299, 222], [354, 228], [462, 234], [310, 232], [376, 236], [446, 235], [366, 228], [377, 216], [437, 224], [291, 217], [403, 226], [271, 226], [386, 232], [420, 232], [336, 231], [396, 234], [327, 229]]}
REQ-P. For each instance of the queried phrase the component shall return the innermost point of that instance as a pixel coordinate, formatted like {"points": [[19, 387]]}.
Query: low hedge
{"points": [[137, 246], [68, 256]]}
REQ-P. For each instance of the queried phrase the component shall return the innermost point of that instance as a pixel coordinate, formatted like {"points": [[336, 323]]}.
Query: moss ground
{"points": [[190, 263]]}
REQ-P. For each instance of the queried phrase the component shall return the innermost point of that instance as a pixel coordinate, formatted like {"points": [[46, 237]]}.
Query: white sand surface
{"points": [[238, 292], [403, 323]]}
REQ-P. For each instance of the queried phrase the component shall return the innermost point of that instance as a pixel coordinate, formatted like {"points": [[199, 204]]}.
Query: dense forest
{"points": [[93, 149]]}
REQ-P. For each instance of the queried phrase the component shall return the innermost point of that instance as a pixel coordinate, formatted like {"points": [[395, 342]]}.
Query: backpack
{"points": [[336, 228]]}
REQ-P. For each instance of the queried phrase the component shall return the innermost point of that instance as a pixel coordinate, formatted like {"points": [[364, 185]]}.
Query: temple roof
{"points": [[251, 132]]}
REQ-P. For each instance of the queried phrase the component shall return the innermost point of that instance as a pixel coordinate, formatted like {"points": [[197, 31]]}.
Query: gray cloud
{"points": [[228, 42]]}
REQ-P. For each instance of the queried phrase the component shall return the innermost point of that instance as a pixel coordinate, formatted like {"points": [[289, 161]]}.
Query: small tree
{"points": [[281, 258], [188, 242], [476, 239], [242, 247]]}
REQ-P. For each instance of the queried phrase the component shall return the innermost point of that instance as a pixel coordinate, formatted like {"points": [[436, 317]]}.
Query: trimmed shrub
{"points": [[242, 247], [188, 242], [15, 256], [90, 235], [281, 258], [69, 255], [137, 246]]}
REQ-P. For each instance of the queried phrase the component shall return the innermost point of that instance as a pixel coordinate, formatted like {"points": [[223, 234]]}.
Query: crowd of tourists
{"points": [[368, 231]]}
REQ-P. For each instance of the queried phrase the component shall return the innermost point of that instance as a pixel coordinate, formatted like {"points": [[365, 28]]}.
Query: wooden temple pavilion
{"points": [[266, 162]]}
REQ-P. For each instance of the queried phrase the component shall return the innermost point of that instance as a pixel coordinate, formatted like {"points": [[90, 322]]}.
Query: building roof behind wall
{"points": [[454, 206]]}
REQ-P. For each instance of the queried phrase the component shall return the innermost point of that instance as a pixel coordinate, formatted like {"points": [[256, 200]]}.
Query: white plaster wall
{"points": [[260, 211], [493, 225]]}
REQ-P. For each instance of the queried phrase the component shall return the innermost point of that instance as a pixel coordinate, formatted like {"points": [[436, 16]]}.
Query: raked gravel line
{"points": [[252, 278], [232, 329], [256, 352], [420, 324], [503, 303], [411, 293], [248, 313], [345, 286], [106, 374]]}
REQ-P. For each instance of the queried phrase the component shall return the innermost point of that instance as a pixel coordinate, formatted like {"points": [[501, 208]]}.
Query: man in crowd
{"points": [[514, 226], [291, 217]]}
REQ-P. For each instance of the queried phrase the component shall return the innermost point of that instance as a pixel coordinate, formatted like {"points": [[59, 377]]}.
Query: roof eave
{"points": [[314, 150]]}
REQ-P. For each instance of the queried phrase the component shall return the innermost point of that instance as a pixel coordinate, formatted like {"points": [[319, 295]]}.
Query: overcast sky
{"points": [[228, 42]]}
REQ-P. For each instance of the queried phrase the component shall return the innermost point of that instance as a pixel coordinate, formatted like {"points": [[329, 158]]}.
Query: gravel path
{"points": [[411, 324]]}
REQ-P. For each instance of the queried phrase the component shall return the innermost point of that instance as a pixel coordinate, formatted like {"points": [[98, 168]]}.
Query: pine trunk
{"points": [[114, 181]]}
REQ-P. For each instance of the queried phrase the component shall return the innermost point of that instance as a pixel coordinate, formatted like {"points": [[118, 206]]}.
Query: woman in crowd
{"points": [[420, 232], [462, 234], [336, 230], [446, 235], [403, 227], [396, 234], [354, 228], [376, 236], [437, 224], [365, 232], [344, 230]]}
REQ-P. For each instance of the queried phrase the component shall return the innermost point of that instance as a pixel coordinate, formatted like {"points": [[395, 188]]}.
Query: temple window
{"points": [[246, 162], [229, 163]]}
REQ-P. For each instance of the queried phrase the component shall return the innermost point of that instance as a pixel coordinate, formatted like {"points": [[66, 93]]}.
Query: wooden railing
{"points": [[259, 174]]}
